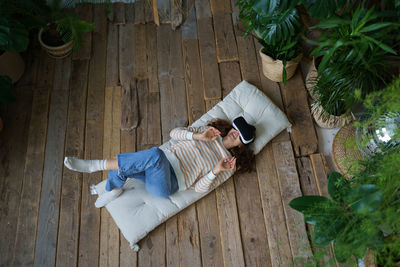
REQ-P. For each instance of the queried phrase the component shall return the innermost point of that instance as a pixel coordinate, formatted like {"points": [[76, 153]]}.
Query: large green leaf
{"points": [[338, 186], [365, 198], [328, 228]]}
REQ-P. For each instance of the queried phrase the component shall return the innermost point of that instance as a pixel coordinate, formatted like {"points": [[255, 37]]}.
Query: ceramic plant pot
{"points": [[56, 51]]}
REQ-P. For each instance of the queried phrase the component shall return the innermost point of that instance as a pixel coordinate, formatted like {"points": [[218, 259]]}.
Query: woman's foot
{"points": [[107, 197], [82, 165]]}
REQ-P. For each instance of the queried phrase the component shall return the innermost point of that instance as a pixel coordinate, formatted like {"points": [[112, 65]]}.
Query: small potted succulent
{"points": [[275, 24]]}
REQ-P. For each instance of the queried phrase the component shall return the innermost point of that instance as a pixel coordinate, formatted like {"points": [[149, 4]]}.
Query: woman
{"points": [[197, 158]]}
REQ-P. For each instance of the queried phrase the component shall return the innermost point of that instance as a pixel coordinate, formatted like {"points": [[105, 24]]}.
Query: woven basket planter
{"points": [[273, 69], [311, 80], [56, 51], [331, 121]]}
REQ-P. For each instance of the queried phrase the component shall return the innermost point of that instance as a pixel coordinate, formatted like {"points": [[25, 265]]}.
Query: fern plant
{"points": [[353, 50]]}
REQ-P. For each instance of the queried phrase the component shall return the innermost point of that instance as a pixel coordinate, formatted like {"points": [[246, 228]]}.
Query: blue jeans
{"points": [[151, 166]]}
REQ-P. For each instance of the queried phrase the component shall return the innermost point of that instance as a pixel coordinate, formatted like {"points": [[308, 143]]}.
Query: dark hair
{"points": [[243, 154]]}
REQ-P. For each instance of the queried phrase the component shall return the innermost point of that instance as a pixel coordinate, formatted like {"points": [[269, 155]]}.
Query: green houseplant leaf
{"points": [[365, 198], [338, 186]]}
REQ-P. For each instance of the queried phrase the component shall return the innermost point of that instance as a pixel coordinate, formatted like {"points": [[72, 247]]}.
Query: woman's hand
{"points": [[208, 135], [224, 165]]}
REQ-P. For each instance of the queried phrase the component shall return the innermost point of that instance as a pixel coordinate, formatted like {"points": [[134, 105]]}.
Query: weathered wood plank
{"points": [[129, 13], [275, 222], [208, 56], [129, 105], [171, 80], [24, 250], [303, 134], [176, 14], [89, 239], [127, 257], [140, 52], [248, 59], [230, 76], [151, 51], [321, 173], [210, 240], [220, 6], [45, 71], [252, 225], [148, 11], [13, 144], [149, 129], [68, 235], [46, 242], [85, 12], [172, 242], [152, 248], [290, 188], [155, 13], [188, 233], [193, 79], [202, 9], [229, 225], [164, 10], [189, 27], [112, 75], [139, 12], [210, 103], [119, 13], [109, 232], [225, 38], [323, 256]]}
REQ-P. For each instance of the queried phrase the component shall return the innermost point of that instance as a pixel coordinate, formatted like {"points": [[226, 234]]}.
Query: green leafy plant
{"points": [[353, 58], [6, 95], [275, 24], [346, 218], [13, 35], [56, 17]]}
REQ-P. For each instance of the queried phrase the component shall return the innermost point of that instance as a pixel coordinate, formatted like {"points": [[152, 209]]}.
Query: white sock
{"points": [[107, 197], [82, 165]]}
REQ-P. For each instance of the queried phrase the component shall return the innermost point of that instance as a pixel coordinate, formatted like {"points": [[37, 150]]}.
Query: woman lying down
{"points": [[200, 156]]}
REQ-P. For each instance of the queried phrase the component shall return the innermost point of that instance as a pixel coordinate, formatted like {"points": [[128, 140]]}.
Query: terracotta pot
{"points": [[273, 69], [12, 65], [56, 51]]}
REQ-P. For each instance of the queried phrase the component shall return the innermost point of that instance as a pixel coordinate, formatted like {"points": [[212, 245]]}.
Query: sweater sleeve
{"points": [[186, 133], [203, 185]]}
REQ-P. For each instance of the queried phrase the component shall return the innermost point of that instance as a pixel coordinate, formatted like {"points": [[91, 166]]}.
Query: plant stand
{"points": [[344, 150]]}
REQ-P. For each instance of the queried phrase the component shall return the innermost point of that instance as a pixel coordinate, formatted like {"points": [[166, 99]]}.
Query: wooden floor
{"points": [[124, 90]]}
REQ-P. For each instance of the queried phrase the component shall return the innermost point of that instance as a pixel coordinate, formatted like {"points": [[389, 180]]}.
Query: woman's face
{"points": [[232, 139]]}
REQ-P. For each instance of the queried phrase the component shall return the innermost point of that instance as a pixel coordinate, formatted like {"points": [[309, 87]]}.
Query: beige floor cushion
{"points": [[137, 213]]}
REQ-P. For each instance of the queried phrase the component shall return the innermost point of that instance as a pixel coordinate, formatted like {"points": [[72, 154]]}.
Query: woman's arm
{"points": [[225, 164], [202, 133]]}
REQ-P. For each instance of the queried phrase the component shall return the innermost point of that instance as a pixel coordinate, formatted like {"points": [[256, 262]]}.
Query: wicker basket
{"points": [[311, 79], [57, 52], [273, 69], [331, 121], [344, 156]]}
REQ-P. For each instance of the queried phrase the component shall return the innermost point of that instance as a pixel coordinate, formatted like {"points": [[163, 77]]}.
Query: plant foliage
{"points": [[13, 34], [6, 95]]}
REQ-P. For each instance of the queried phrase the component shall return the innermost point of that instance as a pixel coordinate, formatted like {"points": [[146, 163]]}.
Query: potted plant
{"points": [[6, 95], [276, 26], [353, 63], [362, 212], [13, 40], [60, 30]]}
